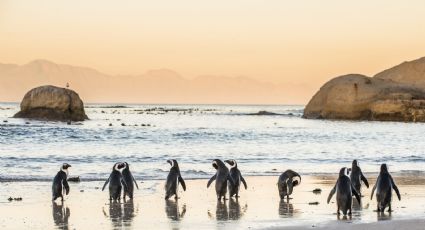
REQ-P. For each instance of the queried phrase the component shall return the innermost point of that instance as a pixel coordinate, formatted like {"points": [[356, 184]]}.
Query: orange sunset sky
{"points": [[293, 45]]}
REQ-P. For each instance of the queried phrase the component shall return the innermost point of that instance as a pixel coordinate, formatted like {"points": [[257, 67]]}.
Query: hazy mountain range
{"points": [[154, 86]]}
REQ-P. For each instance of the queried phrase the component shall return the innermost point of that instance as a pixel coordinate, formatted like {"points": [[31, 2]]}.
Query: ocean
{"points": [[263, 139]]}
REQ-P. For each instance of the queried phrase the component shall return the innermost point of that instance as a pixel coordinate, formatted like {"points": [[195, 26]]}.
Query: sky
{"points": [[278, 41]]}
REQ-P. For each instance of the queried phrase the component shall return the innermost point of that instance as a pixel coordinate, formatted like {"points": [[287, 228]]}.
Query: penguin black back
{"points": [[384, 186], [60, 182], [221, 177], [115, 182], [357, 176], [237, 178], [286, 183], [128, 179], [173, 179], [345, 191]]}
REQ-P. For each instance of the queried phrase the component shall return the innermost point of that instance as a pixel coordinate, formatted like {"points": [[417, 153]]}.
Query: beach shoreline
{"points": [[259, 207]]}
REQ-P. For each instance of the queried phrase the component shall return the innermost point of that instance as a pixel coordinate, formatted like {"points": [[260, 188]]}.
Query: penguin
{"points": [[221, 177], [115, 182], [286, 183], [60, 182], [384, 185], [173, 179], [237, 178], [357, 176], [128, 179], [344, 192]]}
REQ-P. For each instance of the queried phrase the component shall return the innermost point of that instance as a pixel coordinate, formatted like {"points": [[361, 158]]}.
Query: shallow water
{"points": [[147, 135]]}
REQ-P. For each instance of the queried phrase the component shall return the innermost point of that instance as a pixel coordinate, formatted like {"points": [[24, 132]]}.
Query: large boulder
{"points": [[358, 97], [52, 103]]}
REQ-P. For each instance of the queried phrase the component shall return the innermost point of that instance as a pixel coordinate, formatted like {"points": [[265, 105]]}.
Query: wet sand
{"points": [[259, 207]]}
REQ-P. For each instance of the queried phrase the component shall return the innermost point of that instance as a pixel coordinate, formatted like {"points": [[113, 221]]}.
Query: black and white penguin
{"points": [[237, 178], [344, 192], [173, 179], [221, 177], [60, 182], [286, 183], [128, 178], [115, 182], [384, 185], [357, 176]]}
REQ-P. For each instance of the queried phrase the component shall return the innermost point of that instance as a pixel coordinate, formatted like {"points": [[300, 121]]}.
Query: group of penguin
{"points": [[347, 185]]}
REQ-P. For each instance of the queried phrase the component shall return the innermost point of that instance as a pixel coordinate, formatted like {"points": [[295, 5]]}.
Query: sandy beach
{"points": [[258, 207]]}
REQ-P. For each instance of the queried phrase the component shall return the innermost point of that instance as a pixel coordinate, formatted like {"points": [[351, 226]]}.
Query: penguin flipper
{"points": [[364, 179], [355, 193], [124, 184], [332, 193], [135, 182], [182, 183], [289, 184], [395, 188], [373, 191], [66, 186], [106, 182], [244, 182], [211, 180]]}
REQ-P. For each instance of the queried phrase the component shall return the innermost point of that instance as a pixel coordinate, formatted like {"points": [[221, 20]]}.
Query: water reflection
{"points": [[221, 212], [235, 210], [121, 214], [61, 214], [287, 209], [172, 210], [383, 216]]}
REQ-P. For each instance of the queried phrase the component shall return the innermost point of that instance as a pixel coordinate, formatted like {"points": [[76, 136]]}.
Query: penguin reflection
{"points": [[221, 212], [383, 216], [235, 210], [286, 209], [128, 214], [60, 215], [172, 210], [115, 213]]}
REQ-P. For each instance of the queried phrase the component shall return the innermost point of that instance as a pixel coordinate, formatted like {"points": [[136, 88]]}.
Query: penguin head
{"points": [[217, 163], [355, 164], [173, 163], [118, 166], [232, 163], [384, 168], [344, 172], [65, 166]]}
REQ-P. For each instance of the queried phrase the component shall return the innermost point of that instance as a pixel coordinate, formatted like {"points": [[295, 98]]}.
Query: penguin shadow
{"points": [[115, 214], [172, 210], [235, 210], [128, 213], [61, 215], [286, 209], [383, 216]]}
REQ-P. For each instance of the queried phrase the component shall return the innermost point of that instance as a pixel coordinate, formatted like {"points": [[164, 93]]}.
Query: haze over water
{"points": [[197, 134]]}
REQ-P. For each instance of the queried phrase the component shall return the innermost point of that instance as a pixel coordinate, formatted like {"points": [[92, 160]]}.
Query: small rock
{"points": [[81, 190], [68, 123], [122, 124], [110, 124], [27, 123], [10, 199], [96, 187], [317, 190], [313, 203], [74, 179], [5, 121]]}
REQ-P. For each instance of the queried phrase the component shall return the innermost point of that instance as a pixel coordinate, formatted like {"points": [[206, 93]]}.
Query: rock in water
{"points": [[52, 103], [358, 97]]}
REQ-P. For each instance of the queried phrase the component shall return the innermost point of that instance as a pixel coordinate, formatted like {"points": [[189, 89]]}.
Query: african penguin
{"points": [[221, 177], [384, 185], [286, 183], [344, 192], [237, 178], [115, 182], [128, 178], [173, 179], [357, 176], [60, 182]]}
